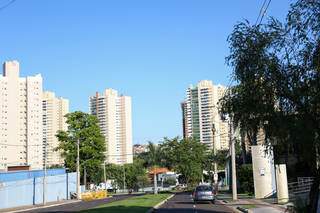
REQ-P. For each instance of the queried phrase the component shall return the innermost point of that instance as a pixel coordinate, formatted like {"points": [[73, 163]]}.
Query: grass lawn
{"points": [[133, 205]]}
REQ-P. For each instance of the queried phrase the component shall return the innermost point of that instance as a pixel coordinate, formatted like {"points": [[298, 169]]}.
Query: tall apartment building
{"points": [[114, 114], [54, 111], [21, 118], [200, 114]]}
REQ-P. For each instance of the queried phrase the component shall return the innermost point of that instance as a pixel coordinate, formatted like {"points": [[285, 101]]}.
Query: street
{"points": [[82, 205], [182, 202]]}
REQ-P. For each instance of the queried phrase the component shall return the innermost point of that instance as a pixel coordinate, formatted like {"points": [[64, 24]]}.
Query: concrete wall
{"points": [[30, 191], [263, 172], [282, 183]]}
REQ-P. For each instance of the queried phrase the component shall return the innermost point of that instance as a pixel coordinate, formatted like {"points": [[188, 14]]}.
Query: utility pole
{"points": [[45, 174], [84, 177], [78, 169], [233, 162], [124, 178], [215, 176], [104, 175]]}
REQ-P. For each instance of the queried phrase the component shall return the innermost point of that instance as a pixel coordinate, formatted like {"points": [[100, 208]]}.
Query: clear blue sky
{"points": [[150, 50]]}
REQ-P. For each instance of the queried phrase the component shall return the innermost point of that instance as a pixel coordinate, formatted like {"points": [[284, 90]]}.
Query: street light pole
{"points": [[78, 169], [104, 175], [45, 174], [124, 178], [215, 176], [233, 163]]}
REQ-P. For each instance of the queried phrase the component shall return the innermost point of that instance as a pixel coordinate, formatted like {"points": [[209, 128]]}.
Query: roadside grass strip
{"points": [[140, 204]]}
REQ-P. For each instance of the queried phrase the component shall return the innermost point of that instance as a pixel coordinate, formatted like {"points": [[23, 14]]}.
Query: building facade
{"points": [[139, 148], [201, 119], [54, 111], [114, 115], [21, 118]]}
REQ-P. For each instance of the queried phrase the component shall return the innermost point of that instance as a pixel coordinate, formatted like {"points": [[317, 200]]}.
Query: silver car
{"points": [[204, 193]]}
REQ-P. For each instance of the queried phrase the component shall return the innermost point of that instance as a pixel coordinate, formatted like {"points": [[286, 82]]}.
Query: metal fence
{"points": [[299, 191], [303, 185], [30, 191]]}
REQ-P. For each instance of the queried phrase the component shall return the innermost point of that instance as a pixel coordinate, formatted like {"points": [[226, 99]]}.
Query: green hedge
{"points": [[245, 178]]}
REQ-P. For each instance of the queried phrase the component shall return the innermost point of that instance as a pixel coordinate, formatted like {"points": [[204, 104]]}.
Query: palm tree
{"points": [[152, 158]]}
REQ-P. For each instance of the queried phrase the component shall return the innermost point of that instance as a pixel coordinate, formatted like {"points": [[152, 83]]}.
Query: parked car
{"points": [[204, 193]]}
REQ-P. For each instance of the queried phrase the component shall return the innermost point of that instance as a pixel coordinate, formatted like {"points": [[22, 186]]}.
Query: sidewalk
{"points": [[246, 203]]}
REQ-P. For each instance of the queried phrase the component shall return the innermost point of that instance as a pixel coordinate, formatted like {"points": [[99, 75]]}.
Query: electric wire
{"points": [[7, 5], [263, 12], [260, 12]]}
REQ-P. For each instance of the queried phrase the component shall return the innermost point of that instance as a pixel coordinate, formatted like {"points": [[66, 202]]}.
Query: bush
{"points": [[245, 178], [170, 181]]}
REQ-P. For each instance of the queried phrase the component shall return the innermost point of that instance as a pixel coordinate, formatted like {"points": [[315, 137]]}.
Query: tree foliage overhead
{"points": [[85, 128], [276, 68]]}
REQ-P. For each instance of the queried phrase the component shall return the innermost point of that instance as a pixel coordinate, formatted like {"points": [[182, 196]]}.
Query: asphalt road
{"points": [[79, 206], [183, 203]]}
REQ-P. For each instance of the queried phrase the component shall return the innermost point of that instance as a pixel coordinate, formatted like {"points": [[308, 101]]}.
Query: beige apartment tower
{"points": [[201, 119], [21, 118], [54, 111], [114, 115]]}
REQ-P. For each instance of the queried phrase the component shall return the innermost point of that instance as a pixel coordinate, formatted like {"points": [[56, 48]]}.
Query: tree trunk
{"points": [[155, 188], [314, 194]]}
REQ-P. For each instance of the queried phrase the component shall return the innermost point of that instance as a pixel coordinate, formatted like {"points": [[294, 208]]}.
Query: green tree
{"points": [[245, 178], [277, 74], [135, 172], [171, 181], [186, 157], [152, 159], [220, 158], [115, 172], [85, 128], [143, 180]]}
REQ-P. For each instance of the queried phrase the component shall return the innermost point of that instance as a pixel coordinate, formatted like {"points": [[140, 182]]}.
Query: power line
{"points": [[5, 144], [7, 5], [260, 12], [119, 155], [263, 11]]}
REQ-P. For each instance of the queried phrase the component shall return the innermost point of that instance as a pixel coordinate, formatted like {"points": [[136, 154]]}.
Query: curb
{"points": [[242, 209], [233, 209], [41, 207], [160, 204]]}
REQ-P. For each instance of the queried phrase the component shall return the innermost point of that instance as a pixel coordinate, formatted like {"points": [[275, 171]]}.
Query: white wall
{"points": [[263, 172]]}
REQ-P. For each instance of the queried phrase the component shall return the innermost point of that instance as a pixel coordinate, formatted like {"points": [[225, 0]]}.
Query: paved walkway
{"points": [[248, 202]]}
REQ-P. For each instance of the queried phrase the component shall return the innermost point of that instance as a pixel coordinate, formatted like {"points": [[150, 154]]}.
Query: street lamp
{"points": [[45, 174], [124, 178], [78, 169], [233, 162], [104, 175], [215, 176]]}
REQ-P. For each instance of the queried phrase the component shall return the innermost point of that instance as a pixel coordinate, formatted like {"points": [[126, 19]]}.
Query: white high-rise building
{"points": [[200, 115], [54, 111], [114, 114], [20, 118]]}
